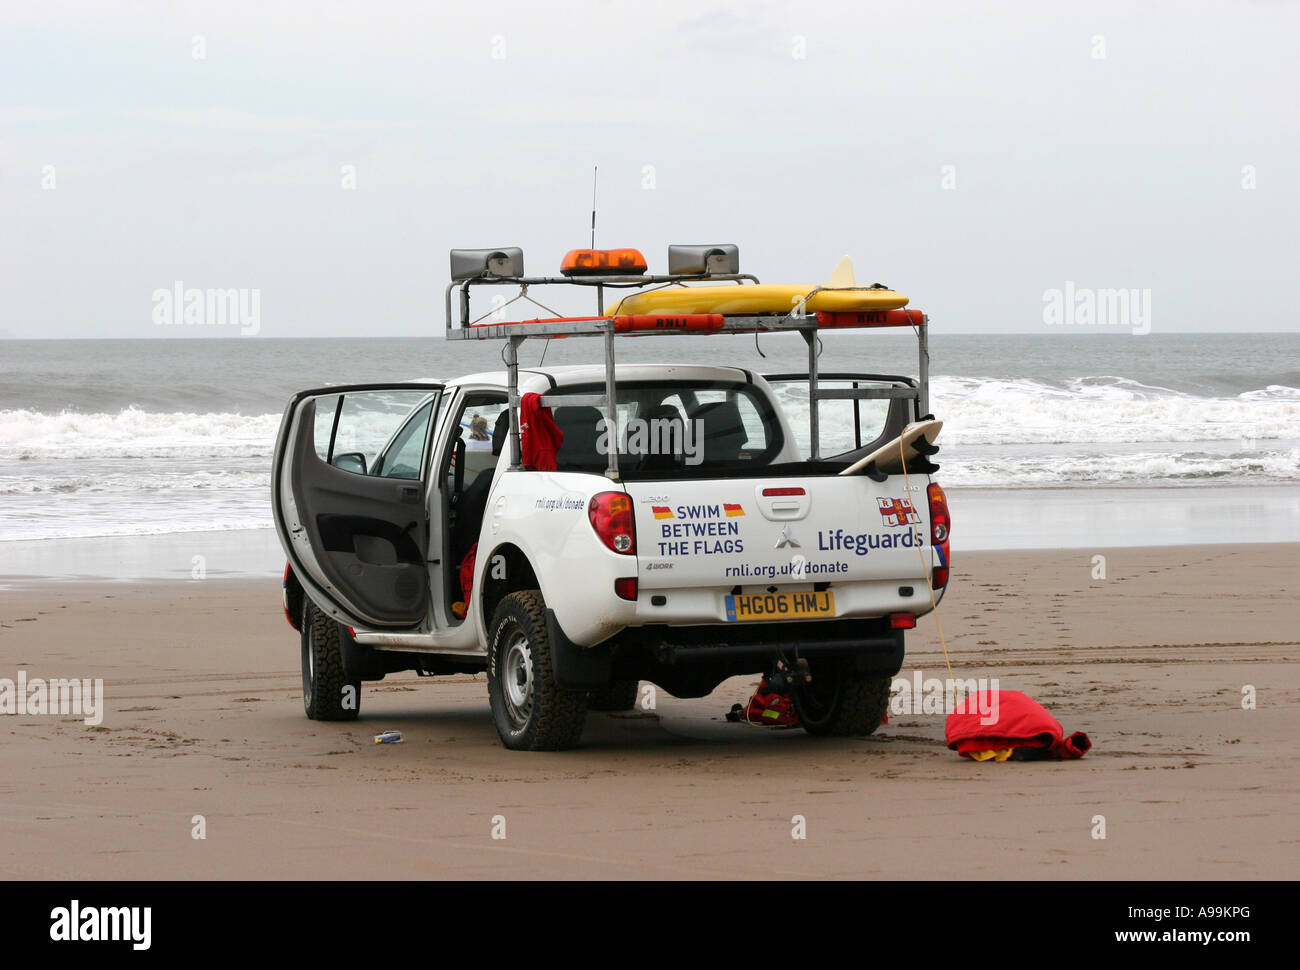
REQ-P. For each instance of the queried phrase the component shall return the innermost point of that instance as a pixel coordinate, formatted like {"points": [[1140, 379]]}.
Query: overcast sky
{"points": [[971, 155]]}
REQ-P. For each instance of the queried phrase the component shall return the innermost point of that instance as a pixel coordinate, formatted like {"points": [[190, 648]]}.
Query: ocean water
{"points": [[106, 438]]}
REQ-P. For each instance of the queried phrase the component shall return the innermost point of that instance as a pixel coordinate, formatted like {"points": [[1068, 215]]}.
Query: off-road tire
{"points": [[518, 647], [841, 702], [618, 696], [323, 680]]}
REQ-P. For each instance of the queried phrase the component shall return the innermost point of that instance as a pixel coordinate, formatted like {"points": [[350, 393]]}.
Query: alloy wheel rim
{"points": [[517, 679]]}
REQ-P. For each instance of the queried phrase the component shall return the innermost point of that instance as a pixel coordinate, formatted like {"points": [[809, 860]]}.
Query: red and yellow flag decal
{"points": [[661, 511], [733, 510]]}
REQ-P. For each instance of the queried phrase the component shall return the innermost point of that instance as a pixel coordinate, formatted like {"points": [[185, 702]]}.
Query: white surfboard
{"points": [[890, 456]]}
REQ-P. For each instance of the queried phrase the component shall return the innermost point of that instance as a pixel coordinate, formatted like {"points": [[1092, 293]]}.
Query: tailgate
{"points": [[756, 531]]}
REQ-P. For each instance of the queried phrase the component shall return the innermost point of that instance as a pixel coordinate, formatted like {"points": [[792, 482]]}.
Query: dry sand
{"points": [[205, 718]]}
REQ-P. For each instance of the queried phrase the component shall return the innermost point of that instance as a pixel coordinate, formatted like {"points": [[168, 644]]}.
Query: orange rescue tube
{"points": [[872, 318], [634, 322]]}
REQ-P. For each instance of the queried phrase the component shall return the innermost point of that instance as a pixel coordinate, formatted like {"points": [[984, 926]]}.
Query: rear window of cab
{"points": [[670, 428]]}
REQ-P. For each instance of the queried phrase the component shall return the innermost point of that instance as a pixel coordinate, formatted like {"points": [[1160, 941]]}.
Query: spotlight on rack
{"points": [[470, 264], [720, 260]]}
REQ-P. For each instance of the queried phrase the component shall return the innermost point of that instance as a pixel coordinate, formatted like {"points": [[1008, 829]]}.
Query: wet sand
{"points": [[204, 717]]}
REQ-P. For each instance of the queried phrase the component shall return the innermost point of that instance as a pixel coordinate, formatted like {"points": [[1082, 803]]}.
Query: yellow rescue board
{"points": [[760, 298]]}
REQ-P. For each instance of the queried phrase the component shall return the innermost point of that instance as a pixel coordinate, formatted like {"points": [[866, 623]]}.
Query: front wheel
{"points": [[840, 702], [530, 711], [327, 694]]}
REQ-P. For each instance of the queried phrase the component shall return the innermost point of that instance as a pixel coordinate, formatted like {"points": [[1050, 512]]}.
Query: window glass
{"points": [[842, 425], [325, 410], [403, 457], [484, 428], [737, 406], [380, 433], [478, 421]]}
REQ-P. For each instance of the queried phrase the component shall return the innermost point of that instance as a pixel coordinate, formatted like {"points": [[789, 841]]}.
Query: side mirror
{"points": [[352, 461]]}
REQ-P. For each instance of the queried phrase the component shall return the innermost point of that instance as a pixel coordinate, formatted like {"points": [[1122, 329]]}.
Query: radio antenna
{"points": [[594, 170]]}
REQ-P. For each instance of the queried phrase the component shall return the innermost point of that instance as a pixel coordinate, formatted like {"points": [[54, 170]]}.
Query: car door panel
{"points": [[358, 541]]}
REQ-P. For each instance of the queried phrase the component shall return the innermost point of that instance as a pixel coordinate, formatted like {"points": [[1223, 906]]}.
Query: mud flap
{"points": [[575, 667], [359, 663]]}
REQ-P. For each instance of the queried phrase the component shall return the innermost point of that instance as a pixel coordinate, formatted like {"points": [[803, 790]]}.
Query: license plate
{"points": [[780, 606]]}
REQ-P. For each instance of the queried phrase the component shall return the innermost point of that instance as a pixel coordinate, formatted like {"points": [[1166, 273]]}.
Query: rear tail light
{"points": [[611, 516], [940, 530], [625, 588], [902, 621], [940, 525]]}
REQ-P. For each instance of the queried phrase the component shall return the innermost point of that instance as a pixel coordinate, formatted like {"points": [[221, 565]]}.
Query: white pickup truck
{"points": [[691, 533]]}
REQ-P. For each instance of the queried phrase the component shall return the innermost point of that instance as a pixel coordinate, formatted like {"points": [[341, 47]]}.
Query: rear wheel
{"points": [[618, 696], [530, 711], [327, 694], [840, 702]]}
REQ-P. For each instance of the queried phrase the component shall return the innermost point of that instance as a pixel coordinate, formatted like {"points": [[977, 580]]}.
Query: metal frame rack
{"points": [[608, 327]]}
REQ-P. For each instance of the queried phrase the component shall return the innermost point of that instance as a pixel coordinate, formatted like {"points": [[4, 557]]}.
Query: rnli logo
{"points": [[897, 511]]}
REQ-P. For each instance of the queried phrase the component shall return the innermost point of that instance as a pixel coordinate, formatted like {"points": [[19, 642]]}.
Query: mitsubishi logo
{"points": [[787, 539]]}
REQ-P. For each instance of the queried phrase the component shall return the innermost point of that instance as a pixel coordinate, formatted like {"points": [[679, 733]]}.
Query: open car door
{"points": [[349, 494]]}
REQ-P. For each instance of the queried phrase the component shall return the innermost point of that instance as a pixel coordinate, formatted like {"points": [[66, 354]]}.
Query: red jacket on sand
{"points": [[1017, 722], [539, 436]]}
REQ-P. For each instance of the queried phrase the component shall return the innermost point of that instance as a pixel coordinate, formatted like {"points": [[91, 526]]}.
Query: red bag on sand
{"points": [[539, 436], [1018, 727], [770, 708]]}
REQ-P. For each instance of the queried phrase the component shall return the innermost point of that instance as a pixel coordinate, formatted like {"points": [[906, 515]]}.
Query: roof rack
{"points": [[504, 267]]}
